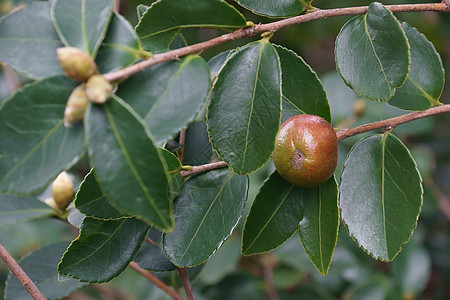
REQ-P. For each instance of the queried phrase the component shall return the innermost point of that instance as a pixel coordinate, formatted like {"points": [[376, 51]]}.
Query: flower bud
{"points": [[76, 106], [359, 107], [62, 190], [98, 89], [76, 63]]}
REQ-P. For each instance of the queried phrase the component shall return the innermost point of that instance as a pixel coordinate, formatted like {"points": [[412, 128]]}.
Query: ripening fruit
{"points": [[306, 150], [77, 64], [98, 89], [62, 190], [76, 106]]}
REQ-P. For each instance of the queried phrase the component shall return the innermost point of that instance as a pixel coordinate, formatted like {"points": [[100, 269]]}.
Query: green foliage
{"points": [[165, 119]]}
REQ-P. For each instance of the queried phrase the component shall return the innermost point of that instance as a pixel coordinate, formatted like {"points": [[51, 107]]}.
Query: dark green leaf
{"points": [[152, 258], [34, 144], [82, 23], [141, 9], [425, 82], [92, 202], [197, 148], [120, 47], [169, 95], [15, 209], [28, 41], [275, 214], [381, 195], [303, 93], [244, 112], [319, 228], [270, 8], [40, 266], [374, 288], [103, 249], [372, 53], [216, 63], [173, 171], [206, 212], [128, 166], [161, 23]]}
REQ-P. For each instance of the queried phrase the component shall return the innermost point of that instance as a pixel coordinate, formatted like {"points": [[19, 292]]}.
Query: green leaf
{"points": [[206, 212], [216, 63], [274, 215], [161, 23], [197, 148], [120, 48], [34, 144], [141, 9], [173, 172], [303, 93], [82, 23], [320, 225], [425, 82], [152, 258], [381, 195], [28, 41], [127, 163], [15, 209], [169, 95], [244, 111], [92, 202], [40, 266], [270, 8], [375, 287], [372, 53], [103, 249]]}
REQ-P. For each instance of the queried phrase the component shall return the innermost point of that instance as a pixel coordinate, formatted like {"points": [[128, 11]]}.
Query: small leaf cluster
{"points": [[232, 107]]}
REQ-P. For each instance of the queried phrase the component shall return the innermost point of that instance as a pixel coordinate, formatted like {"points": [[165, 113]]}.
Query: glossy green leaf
{"points": [[375, 288], [91, 201], [152, 258], [34, 144], [40, 266], [103, 249], [28, 41], [82, 23], [169, 95], [372, 53], [425, 82], [206, 212], [173, 171], [270, 8], [216, 63], [128, 165], [15, 209], [244, 111], [303, 93], [120, 47], [161, 23], [197, 148], [274, 215], [319, 227], [141, 9], [381, 195]]}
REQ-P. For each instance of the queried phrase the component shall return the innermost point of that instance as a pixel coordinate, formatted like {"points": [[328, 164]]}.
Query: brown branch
{"points": [[186, 284], [267, 262], [204, 168], [271, 27], [156, 281], [11, 78], [182, 141], [20, 274], [392, 122]]}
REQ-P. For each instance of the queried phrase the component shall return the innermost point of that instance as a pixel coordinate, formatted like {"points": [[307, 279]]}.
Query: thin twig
{"points": [[11, 78], [269, 27], [392, 122], [204, 168], [182, 141], [20, 274], [155, 281], [267, 262], [117, 6], [186, 283]]}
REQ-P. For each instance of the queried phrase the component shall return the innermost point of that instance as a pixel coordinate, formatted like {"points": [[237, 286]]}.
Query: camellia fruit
{"points": [[306, 150]]}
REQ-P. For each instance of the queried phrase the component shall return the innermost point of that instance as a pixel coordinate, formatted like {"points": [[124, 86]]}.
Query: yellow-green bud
{"points": [[62, 190], [98, 89], [359, 107], [76, 106], [76, 63]]}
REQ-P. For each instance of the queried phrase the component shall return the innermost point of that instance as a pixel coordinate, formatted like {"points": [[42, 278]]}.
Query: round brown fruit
{"points": [[306, 150]]}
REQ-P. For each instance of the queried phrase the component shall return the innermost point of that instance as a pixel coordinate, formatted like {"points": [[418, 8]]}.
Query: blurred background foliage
{"points": [[420, 271]]}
